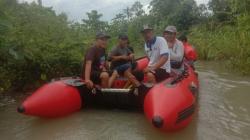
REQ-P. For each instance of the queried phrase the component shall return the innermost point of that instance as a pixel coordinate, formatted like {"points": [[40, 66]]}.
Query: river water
{"points": [[223, 113]]}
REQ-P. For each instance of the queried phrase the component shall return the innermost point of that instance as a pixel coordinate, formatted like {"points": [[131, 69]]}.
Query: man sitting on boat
{"points": [[121, 57], [156, 48], [176, 48], [190, 54], [94, 67]]}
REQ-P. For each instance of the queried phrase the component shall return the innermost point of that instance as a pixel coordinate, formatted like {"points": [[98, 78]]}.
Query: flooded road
{"points": [[223, 113]]}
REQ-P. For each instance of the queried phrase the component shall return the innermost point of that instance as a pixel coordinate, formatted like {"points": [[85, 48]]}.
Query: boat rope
{"points": [[180, 77]]}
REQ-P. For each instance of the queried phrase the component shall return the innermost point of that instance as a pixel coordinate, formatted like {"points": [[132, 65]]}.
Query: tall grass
{"points": [[230, 43]]}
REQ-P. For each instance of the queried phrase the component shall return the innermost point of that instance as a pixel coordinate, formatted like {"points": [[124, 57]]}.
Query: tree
{"points": [[93, 23], [186, 15], [36, 45], [181, 13], [137, 9], [119, 24], [40, 2], [119, 18], [163, 8], [221, 10], [128, 13]]}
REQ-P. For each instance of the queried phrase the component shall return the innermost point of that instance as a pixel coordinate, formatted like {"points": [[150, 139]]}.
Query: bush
{"points": [[230, 43]]}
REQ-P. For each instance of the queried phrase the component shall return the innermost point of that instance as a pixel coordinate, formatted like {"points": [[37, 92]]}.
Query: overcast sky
{"points": [[76, 9]]}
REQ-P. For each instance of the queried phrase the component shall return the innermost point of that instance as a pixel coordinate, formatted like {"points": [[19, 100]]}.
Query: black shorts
{"points": [[95, 76], [160, 74]]}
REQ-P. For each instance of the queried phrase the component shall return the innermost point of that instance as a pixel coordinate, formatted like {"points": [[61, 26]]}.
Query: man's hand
{"points": [[89, 84], [149, 69], [131, 56], [146, 70]]}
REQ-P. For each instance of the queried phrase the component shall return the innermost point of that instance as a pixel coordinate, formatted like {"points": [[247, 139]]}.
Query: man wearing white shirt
{"points": [[157, 51]]}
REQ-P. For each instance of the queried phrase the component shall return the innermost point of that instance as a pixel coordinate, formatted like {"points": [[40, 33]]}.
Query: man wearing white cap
{"points": [[157, 51], [176, 47]]}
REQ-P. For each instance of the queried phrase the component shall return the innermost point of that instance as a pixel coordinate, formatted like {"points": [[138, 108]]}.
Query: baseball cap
{"points": [[171, 29], [123, 36], [146, 27], [102, 35]]}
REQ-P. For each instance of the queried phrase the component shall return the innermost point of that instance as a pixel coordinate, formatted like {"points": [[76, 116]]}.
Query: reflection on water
{"points": [[223, 113]]}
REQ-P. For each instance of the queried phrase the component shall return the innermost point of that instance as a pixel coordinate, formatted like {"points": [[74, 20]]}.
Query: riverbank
{"points": [[228, 43]]}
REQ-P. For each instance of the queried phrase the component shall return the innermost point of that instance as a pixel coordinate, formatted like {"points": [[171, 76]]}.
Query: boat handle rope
{"points": [[184, 74]]}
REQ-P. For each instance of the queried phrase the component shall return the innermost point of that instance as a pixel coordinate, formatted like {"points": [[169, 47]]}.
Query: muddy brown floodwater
{"points": [[223, 113]]}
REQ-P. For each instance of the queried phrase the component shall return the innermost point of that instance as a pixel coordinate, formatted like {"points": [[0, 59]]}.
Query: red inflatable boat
{"points": [[168, 105]]}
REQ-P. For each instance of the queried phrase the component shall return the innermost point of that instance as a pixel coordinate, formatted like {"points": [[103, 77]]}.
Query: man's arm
{"points": [[87, 69], [88, 82], [179, 54], [164, 52], [114, 57], [88, 64], [161, 62], [130, 54], [117, 58]]}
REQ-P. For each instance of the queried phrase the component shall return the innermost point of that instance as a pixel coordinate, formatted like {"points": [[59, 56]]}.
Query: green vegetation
{"points": [[224, 34], [36, 44]]}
